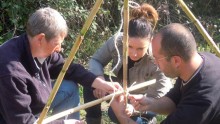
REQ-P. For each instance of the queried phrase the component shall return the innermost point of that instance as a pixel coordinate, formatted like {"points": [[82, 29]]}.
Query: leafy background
{"points": [[14, 15]]}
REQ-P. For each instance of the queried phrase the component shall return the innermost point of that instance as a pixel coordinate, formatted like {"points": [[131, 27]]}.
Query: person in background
{"points": [[30, 61], [141, 66], [195, 97]]}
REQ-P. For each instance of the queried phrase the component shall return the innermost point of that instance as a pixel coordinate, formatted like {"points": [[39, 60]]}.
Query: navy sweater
{"points": [[25, 84]]}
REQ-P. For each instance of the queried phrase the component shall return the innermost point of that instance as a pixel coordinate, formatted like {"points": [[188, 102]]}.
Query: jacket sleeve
{"points": [[162, 86], [102, 57], [15, 102], [76, 72]]}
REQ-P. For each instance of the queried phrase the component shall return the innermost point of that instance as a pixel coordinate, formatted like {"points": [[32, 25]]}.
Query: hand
{"points": [[112, 87], [99, 93], [119, 108], [73, 121], [139, 102], [129, 110], [116, 86], [118, 105], [108, 87]]}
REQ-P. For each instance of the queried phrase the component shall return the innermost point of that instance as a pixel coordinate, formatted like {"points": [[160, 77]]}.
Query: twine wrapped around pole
{"points": [[70, 58], [95, 102], [125, 48], [199, 26]]}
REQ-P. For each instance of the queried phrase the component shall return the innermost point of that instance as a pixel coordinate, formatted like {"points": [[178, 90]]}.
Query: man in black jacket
{"points": [[30, 61], [195, 97]]}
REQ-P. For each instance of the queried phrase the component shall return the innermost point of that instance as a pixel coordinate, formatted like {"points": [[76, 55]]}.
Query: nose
{"points": [[58, 48], [134, 53]]}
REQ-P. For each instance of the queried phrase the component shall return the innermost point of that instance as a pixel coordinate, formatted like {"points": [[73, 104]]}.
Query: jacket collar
{"points": [[30, 64]]}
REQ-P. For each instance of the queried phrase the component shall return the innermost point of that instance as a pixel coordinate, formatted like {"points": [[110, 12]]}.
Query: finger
{"points": [[133, 101], [131, 97], [136, 97], [95, 93], [117, 85], [135, 104], [128, 113], [100, 95], [103, 94], [137, 107], [121, 98]]}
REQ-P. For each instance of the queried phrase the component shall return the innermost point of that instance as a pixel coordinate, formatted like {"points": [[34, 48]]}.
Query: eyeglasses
{"points": [[159, 59]]}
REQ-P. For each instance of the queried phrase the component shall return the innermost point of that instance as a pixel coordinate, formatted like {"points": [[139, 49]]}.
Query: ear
{"points": [[176, 61], [39, 39]]}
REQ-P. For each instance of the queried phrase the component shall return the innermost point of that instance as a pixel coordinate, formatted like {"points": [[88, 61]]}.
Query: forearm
{"points": [[101, 84], [163, 105], [98, 83]]}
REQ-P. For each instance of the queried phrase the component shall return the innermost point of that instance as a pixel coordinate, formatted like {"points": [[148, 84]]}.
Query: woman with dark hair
{"points": [[141, 66]]}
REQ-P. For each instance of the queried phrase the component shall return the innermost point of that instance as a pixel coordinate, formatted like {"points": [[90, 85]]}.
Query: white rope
{"points": [[131, 4]]}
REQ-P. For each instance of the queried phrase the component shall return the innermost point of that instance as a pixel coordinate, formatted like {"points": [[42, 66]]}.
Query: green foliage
{"points": [[160, 118], [14, 15]]}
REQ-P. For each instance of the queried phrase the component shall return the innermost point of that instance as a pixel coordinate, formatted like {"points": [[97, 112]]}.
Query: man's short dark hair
{"points": [[177, 40]]}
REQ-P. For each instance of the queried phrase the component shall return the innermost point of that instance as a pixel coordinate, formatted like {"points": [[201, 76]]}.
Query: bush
{"points": [[14, 17]]}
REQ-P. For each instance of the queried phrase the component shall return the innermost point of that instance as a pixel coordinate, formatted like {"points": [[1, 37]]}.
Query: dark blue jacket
{"points": [[25, 84]]}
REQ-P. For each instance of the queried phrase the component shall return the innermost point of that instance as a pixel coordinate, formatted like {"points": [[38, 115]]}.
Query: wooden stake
{"points": [[95, 102], [125, 48], [199, 26], [70, 58]]}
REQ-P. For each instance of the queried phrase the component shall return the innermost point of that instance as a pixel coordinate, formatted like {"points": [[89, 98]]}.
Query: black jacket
{"points": [[25, 84]]}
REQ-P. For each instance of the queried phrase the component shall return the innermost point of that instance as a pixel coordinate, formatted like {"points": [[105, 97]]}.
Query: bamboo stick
{"points": [[199, 26], [70, 58], [125, 48], [95, 102]]}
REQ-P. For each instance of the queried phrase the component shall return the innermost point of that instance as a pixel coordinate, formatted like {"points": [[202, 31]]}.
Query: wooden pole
{"points": [[70, 58], [199, 26], [95, 102], [125, 48]]}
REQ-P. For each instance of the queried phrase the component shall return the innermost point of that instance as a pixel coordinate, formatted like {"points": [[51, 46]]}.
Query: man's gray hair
{"points": [[48, 21]]}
